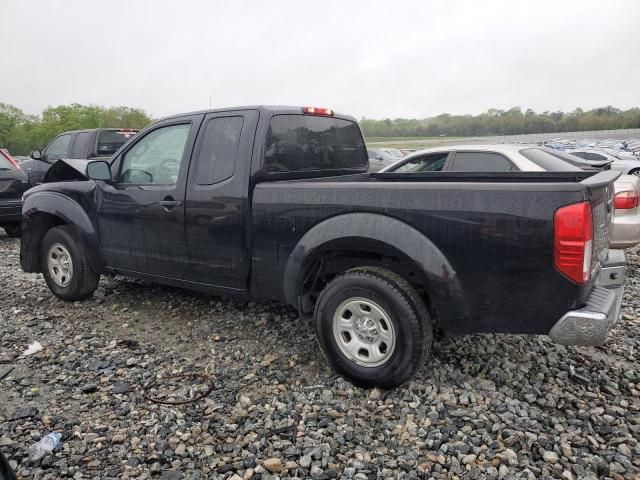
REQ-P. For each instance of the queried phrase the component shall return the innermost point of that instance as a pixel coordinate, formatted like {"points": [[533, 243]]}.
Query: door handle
{"points": [[169, 203]]}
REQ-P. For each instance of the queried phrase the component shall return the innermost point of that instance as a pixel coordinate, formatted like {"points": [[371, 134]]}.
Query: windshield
{"points": [[109, 141]]}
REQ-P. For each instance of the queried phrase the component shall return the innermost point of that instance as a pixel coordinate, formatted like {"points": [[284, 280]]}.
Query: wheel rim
{"points": [[636, 173], [364, 332], [60, 264]]}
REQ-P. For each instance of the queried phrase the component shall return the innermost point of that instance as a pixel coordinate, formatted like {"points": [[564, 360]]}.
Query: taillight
{"points": [[318, 111], [573, 241], [627, 200]]}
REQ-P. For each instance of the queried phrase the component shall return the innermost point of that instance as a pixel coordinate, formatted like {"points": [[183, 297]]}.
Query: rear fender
{"points": [[443, 286]]}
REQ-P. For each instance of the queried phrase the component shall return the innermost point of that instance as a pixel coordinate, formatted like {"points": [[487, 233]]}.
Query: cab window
{"points": [[481, 162], [59, 148], [157, 157]]}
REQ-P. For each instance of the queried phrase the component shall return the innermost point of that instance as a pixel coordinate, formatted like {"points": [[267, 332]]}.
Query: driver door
{"points": [[141, 213]]}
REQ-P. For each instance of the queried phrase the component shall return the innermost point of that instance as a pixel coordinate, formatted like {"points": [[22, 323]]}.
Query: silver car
{"points": [[528, 158], [626, 164]]}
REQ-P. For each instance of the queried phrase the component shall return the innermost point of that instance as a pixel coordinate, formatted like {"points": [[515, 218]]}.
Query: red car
{"points": [[13, 183]]}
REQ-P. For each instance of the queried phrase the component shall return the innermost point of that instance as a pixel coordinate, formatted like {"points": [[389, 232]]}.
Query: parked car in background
{"points": [[394, 152], [76, 144], [379, 159], [13, 183], [530, 158], [626, 165], [275, 203]]}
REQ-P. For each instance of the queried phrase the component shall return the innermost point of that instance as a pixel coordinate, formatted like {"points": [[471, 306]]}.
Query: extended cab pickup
{"points": [[275, 203], [77, 144]]}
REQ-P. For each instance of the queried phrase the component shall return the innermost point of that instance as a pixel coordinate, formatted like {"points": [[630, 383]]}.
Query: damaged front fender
{"points": [[67, 170]]}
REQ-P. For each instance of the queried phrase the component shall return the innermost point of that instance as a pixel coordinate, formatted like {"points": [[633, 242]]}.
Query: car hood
{"points": [[67, 170]]}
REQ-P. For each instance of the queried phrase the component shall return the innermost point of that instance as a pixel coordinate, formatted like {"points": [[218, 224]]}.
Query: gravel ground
{"points": [[484, 407]]}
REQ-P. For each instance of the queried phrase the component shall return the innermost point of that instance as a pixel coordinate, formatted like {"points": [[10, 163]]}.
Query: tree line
{"points": [[20, 133], [504, 122]]}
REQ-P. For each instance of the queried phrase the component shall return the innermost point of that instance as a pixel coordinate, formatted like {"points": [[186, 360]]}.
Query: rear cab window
{"points": [[305, 143], [109, 141]]}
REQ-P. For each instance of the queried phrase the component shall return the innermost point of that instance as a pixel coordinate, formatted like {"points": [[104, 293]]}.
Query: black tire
{"points": [[12, 230], [406, 310], [84, 280]]}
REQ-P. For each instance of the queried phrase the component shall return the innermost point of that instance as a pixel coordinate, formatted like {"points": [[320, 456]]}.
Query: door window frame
{"points": [[71, 141], [118, 162]]}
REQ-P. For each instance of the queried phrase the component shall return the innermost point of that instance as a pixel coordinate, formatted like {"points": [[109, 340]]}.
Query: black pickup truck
{"points": [[78, 144], [276, 203]]}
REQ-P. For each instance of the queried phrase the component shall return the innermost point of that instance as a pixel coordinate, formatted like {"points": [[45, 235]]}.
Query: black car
{"points": [[78, 144], [13, 183]]}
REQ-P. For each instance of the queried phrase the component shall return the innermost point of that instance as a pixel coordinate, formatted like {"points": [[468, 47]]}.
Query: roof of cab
{"points": [[267, 109]]}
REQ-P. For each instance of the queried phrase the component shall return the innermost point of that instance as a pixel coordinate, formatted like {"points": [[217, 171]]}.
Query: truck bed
{"points": [[495, 230]]}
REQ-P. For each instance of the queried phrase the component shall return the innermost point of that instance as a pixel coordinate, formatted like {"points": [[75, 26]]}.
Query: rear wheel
{"points": [[65, 266], [373, 327], [635, 172], [12, 230]]}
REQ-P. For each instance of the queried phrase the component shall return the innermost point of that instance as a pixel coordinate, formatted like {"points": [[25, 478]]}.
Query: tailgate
{"points": [[601, 191]]}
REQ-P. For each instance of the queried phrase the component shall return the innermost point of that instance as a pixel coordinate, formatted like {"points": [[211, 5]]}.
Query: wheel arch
{"points": [[387, 242], [45, 210]]}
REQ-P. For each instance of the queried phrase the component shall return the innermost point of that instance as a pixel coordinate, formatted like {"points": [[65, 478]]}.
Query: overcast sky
{"points": [[372, 58]]}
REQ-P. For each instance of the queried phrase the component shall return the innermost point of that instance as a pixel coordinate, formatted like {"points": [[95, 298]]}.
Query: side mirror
{"points": [[379, 157], [36, 155], [99, 170]]}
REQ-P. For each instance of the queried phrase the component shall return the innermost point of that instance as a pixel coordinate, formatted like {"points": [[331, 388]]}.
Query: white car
{"points": [[627, 164], [503, 158]]}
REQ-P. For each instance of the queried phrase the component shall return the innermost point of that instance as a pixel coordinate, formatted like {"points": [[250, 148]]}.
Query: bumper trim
{"points": [[591, 324]]}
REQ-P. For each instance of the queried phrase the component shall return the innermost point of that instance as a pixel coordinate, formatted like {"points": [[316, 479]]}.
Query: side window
{"points": [[481, 162], [59, 148], [219, 151], [80, 145], [157, 157], [426, 163]]}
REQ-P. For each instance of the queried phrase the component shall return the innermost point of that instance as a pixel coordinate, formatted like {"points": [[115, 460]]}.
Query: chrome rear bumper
{"points": [[591, 324]]}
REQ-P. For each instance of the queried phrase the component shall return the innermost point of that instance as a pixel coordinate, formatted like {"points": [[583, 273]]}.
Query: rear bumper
{"points": [[10, 211], [626, 231], [591, 324]]}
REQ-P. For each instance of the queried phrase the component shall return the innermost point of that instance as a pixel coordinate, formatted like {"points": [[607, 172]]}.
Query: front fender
{"points": [[43, 209], [443, 286]]}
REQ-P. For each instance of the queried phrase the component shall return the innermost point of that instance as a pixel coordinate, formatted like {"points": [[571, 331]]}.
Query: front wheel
{"points": [[65, 267], [373, 327]]}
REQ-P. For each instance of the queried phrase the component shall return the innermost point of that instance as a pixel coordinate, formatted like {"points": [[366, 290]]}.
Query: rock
{"points": [[89, 388], [624, 450], [121, 387], [550, 457], [509, 456], [305, 461], [244, 401], [181, 450], [327, 395], [274, 465]]}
